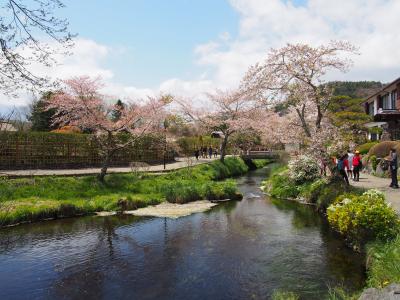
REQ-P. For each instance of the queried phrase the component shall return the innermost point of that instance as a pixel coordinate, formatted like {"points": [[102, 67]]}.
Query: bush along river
{"points": [[237, 250]]}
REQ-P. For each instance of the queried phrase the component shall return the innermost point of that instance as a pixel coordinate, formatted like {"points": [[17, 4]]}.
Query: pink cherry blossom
{"points": [[81, 104]]}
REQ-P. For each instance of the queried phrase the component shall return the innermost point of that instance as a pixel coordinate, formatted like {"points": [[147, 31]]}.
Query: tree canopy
{"points": [[22, 28]]}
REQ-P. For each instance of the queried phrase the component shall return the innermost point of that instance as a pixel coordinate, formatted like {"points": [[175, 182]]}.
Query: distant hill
{"points": [[352, 89], [355, 89]]}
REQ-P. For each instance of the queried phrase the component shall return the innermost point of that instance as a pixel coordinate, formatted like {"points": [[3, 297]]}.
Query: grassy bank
{"points": [[384, 263], [362, 218], [320, 192], [39, 198]]}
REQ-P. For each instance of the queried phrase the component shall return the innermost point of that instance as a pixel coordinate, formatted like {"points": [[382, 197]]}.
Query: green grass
{"points": [[384, 263], [339, 293], [37, 198], [321, 192], [283, 295]]}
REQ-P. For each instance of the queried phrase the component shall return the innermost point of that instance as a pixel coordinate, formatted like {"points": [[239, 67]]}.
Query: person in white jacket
{"points": [[350, 156]]}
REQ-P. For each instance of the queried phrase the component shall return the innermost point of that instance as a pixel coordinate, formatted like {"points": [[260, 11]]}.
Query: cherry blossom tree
{"points": [[81, 104], [227, 112], [295, 75], [23, 27]]}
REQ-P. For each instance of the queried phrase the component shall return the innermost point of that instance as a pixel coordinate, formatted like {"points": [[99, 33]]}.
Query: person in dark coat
{"points": [[204, 152], [197, 154], [210, 152], [393, 165], [215, 153]]}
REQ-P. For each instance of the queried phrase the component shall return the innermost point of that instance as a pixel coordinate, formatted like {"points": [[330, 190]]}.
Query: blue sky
{"points": [[157, 36], [190, 47]]}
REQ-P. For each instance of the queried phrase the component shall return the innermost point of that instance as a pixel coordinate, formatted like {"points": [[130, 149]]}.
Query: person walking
{"points": [[215, 153], [197, 154], [350, 156], [204, 152], [393, 168], [357, 166], [210, 152], [341, 166]]}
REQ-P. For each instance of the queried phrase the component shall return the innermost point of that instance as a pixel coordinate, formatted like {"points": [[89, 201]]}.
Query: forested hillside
{"points": [[355, 89]]}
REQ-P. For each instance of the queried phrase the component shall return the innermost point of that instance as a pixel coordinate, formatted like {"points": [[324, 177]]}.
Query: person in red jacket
{"points": [[357, 166], [342, 163]]}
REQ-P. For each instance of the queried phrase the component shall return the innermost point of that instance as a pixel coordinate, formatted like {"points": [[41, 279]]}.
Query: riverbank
{"points": [[34, 199], [252, 247], [362, 217]]}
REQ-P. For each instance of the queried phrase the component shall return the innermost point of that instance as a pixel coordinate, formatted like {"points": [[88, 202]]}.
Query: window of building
{"points": [[386, 102], [393, 98], [371, 109], [373, 137]]}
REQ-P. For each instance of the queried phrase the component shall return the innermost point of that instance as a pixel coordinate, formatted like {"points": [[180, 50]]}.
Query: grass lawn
{"points": [[384, 263], [38, 198]]}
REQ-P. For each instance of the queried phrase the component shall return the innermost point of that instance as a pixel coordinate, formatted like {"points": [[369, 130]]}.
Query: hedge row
{"points": [[45, 150]]}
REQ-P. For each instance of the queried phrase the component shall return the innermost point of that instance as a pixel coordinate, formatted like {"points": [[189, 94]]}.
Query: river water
{"points": [[237, 250]]}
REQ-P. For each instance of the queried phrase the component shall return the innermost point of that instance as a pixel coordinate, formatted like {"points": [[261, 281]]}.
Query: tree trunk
{"points": [[303, 121], [223, 148], [104, 168], [319, 117], [109, 149]]}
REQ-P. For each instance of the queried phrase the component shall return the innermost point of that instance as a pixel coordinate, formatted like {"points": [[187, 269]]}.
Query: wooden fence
{"points": [[43, 150]]}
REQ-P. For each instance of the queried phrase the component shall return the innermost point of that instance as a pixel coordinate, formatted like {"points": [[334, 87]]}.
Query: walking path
{"points": [[178, 164], [372, 182]]}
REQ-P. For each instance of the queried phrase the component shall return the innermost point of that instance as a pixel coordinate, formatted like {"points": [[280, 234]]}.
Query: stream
{"points": [[236, 250]]}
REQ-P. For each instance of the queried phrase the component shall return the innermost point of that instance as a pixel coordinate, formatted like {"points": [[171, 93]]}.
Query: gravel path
{"points": [[179, 164], [372, 182]]}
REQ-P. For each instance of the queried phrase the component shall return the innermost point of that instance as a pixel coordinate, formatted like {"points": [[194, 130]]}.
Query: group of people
{"points": [[349, 165], [205, 152]]}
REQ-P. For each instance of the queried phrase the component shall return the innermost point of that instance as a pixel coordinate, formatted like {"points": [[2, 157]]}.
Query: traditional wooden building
{"points": [[384, 107]]}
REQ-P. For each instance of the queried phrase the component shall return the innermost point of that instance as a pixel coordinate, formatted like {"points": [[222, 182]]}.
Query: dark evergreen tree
{"points": [[41, 118], [116, 113], [349, 113]]}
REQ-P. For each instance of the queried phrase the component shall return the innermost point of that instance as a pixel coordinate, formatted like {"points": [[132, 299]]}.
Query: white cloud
{"points": [[88, 58], [372, 25]]}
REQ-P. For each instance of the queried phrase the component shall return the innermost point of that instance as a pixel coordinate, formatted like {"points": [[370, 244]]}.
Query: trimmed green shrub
{"points": [[382, 149], [364, 148], [47, 150], [304, 169], [362, 218]]}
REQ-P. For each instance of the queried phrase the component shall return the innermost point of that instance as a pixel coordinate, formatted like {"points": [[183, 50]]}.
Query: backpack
{"points": [[340, 165]]}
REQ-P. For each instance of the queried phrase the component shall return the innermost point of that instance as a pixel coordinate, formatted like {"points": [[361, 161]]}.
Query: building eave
{"points": [[382, 89]]}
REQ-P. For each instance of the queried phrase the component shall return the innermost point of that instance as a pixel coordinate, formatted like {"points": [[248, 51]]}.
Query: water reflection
{"points": [[237, 250]]}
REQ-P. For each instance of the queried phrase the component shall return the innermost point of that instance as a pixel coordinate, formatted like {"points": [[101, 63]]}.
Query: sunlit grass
{"points": [[32, 199], [384, 263]]}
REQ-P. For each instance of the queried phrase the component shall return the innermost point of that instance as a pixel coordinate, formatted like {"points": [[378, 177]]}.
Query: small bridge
{"points": [[260, 155]]}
